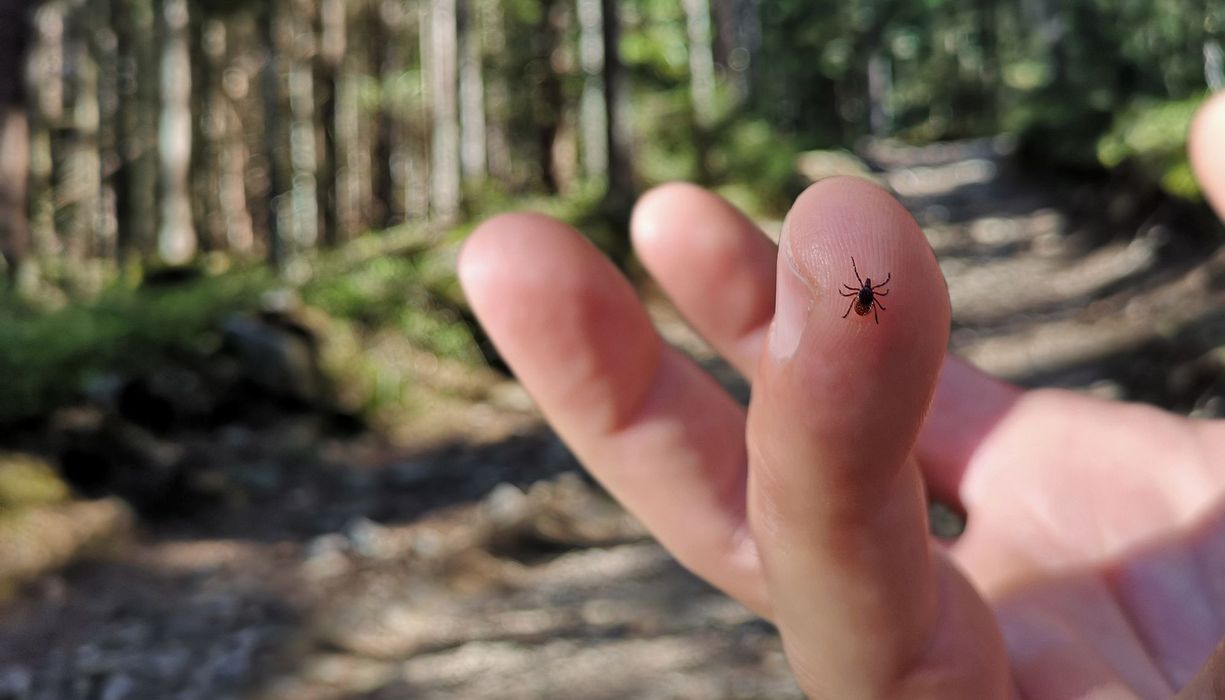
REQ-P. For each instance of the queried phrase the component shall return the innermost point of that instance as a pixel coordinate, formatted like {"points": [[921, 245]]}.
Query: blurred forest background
{"points": [[139, 133], [141, 136], [239, 382]]}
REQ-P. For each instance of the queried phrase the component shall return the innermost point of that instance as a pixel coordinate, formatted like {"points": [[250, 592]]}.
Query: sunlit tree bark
{"points": [[592, 123], [176, 239], [270, 87], [547, 103], [443, 72], [701, 62], [14, 135], [302, 151], [135, 176], [497, 96], [471, 92]]}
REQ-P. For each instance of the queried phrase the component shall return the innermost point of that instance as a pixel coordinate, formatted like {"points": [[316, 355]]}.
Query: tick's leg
{"points": [[849, 294], [856, 269], [882, 293], [888, 277], [848, 309], [853, 289], [876, 302], [875, 314]]}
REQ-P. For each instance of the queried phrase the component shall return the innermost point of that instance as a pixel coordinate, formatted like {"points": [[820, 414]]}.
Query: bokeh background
{"points": [[253, 443]]}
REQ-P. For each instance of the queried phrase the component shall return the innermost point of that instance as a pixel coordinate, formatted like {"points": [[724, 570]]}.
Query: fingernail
{"points": [[792, 304]]}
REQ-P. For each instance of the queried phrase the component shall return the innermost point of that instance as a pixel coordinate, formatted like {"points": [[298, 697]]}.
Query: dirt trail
{"points": [[488, 568]]}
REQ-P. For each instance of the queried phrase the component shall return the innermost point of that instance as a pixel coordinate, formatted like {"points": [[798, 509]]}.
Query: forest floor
{"points": [[476, 561]]}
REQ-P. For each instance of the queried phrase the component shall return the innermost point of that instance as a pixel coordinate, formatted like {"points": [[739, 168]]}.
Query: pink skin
{"points": [[1093, 564]]}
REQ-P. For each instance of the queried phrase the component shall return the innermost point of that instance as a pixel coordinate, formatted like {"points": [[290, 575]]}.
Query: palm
{"points": [[1089, 532]]}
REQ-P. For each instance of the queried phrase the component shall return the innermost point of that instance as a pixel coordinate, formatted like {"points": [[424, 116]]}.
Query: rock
{"points": [[511, 396], [369, 539], [119, 687], [15, 683], [352, 675], [326, 556], [506, 506], [281, 359], [118, 457]]}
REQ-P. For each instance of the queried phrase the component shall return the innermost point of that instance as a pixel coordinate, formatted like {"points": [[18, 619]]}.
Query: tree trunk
{"points": [[1214, 65], [738, 38], [332, 45], [302, 151], [82, 183], [880, 87], [444, 160], [383, 40], [208, 51], [547, 110], [701, 80], [106, 52], [471, 93], [232, 151], [592, 123], [412, 148], [353, 132], [271, 89], [701, 63], [620, 193], [14, 136], [177, 236], [135, 177], [497, 95]]}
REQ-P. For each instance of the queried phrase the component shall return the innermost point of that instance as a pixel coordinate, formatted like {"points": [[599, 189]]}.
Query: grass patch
{"points": [[47, 358], [398, 281]]}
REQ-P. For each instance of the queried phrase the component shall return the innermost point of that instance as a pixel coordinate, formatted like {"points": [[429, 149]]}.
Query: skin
{"points": [[1093, 563]]}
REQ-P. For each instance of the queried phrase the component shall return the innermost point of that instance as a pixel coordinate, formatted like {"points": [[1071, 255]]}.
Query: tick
{"points": [[866, 296]]}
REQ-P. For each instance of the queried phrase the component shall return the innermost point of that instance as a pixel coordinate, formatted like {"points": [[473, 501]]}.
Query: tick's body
{"points": [[866, 296]]}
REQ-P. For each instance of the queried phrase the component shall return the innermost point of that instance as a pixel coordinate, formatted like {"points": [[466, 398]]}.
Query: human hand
{"points": [[1093, 561]]}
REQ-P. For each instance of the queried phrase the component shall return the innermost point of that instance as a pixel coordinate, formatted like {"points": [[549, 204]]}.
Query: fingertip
{"points": [[1206, 149], [471, 263], [858, 378], [647, 221], [846, 231], [516, 249]]}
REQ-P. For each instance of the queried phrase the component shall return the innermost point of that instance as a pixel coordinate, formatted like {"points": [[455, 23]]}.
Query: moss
{"points": [[27, 480]]}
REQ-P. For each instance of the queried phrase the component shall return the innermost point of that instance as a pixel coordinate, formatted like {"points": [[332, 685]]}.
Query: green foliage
{"points": [[1152, 135], [754, 166], [413, 294], [46, 358], [1056, 132]]}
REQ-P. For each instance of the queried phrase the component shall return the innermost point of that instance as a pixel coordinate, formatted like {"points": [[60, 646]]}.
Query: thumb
{"points": [[836, 501], [1207, 150]]}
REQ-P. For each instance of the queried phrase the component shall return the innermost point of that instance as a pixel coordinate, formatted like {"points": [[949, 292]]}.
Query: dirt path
{"points": [[486, 567]]}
